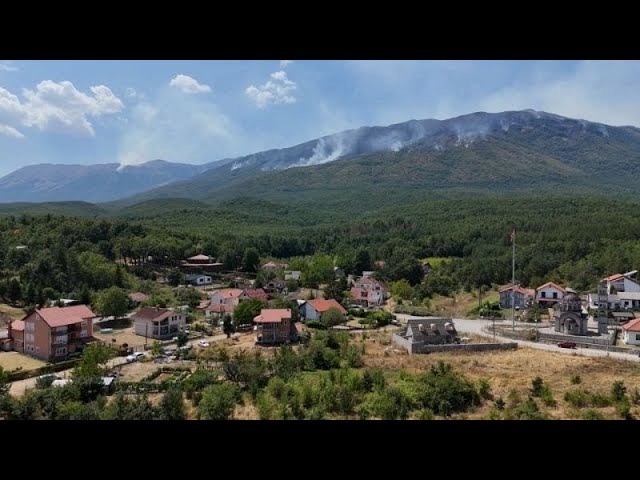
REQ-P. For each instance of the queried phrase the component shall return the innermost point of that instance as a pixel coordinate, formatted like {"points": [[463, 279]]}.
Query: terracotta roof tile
{"points": [[61, 316], [632, 326], [272, 315], [320, 305]]}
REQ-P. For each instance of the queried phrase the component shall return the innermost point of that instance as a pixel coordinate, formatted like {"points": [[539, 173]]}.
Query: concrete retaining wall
{"points": [[469, 347]]}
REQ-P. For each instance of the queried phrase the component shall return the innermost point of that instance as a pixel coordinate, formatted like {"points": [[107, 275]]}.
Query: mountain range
{"points": [[518, 150]]}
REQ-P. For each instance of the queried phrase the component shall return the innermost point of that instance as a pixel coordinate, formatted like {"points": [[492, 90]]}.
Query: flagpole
{"points": [[513, 282]]}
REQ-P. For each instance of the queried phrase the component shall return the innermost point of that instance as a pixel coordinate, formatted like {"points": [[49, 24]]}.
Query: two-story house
{"points": [[53, 333], [622, 289], [549, 294], [369, 292], [274, 326], [158, 323], [521, 296]]}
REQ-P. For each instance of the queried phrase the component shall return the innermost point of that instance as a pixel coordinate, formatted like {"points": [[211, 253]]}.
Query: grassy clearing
{"points": [[12, 360]]}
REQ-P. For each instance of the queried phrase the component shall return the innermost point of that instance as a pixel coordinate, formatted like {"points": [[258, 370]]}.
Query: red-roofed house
{"points": [[53, 333], [314, 309], [158, 323], [631, 332], [274, 267], [258, 293], [368, 291], [275, 326], [522, 296], [226, 296], [138, 297], [549, 294]]}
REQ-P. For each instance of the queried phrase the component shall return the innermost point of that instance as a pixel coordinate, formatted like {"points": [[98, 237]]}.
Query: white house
{"points": [[622, 289], [521, 296], [292, 275], [155, 322], [226, 296], [549, 294], [198, 280], [631, 332]]}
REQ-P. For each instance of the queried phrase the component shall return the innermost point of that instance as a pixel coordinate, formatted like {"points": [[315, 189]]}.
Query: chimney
{"points": [[157, 308], [9, 329], [38, 306]]}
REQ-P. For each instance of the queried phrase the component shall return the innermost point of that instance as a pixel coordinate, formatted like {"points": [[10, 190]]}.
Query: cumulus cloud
{"points": [[285, 63], [188, 84], [58, 107], [131, 92], [175, 127], [10, 131], [278, 90], [8, 67]]}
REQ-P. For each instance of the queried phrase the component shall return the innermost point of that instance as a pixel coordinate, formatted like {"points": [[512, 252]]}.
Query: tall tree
{"points": [[250, 260], [112, 302], [362, 262], [244, 313], [172, 405]]}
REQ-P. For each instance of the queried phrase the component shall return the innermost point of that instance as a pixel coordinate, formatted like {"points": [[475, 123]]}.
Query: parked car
{"points": [[567, 345], [203, 344], [186, 347], [135, 356]]}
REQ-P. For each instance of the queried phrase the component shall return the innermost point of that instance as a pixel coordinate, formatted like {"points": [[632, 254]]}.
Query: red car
{"points": [[567, 345]]}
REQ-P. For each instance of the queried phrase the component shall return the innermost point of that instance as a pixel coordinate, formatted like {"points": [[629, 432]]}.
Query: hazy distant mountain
{"points": [[90, 183], [508, 150], [521, 149]]}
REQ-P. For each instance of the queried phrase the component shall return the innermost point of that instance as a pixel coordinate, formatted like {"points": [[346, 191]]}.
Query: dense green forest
{"points": [[569, 239]]}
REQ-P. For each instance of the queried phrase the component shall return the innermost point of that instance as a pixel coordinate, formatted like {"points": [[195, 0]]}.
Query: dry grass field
{"points": [[509, 371], [11, 360]]}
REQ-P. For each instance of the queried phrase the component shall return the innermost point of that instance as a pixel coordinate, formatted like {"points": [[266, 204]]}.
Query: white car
{"points": [[135, 356], [203, 344]]}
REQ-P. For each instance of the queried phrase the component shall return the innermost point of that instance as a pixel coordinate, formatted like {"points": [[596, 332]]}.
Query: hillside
{"points": [[480, 152], [89, 183]]}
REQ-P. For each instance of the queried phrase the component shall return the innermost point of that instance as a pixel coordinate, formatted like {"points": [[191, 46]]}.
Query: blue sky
{"points": [[199, 111]]}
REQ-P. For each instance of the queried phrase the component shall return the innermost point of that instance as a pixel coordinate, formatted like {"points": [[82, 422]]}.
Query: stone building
{"points": [[571, 319]]}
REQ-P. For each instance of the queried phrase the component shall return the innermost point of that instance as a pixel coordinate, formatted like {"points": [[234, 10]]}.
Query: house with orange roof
{"points": [[521, 296], [53, 333], [631, 332], [274, 325], [314, 309], [549, 294], [226, 296], [623, 291]]}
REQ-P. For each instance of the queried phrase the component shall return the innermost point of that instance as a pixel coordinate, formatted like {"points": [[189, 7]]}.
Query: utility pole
{"points": [[513, 281]]}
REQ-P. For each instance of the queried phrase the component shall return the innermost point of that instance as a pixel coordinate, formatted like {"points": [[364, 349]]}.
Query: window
{"points": [[29, 337], [84, 333], [30, 326], [83, 323], [61, 351], [555, 294], [543, 294]]}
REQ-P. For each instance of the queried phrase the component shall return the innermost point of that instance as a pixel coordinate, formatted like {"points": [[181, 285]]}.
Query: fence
{"points": [[420, 347]]}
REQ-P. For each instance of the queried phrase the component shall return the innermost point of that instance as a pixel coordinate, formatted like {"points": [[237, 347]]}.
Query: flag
{"points": [[513, 235]]}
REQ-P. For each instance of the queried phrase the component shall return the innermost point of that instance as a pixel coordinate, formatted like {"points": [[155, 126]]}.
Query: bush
{"points": [[575, 379], [315, 324], [577, 398], [44, 382], [618, 391], [635, 397], [623, 409], [500, 403], [445, 392], [425, 414], [218, 402], [484, 389], [592, 415]]}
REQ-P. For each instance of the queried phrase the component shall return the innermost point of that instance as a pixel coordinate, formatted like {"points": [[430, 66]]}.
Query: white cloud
{"points": [[600, 91], [278, 90], [58, 107], [10, 131], [7, 67], [188, 84], [179, 128], [285, 63], [131, 92]]}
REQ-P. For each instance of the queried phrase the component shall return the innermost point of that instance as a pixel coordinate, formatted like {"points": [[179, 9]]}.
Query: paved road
{"points": [[475, 326]]}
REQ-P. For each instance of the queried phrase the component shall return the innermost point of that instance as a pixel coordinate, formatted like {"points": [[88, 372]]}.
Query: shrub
{"points": [[537, 387], [500, 403], [592, 415], [635, 397], [623, 409], [618, 390], [577, 398], [425, 414], [44, 382], [575, 379], [218, 402], [484, 389], [315, 324]]}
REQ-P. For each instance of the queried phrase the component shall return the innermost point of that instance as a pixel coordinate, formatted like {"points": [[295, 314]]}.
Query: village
{"points": [[232, 311]]}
